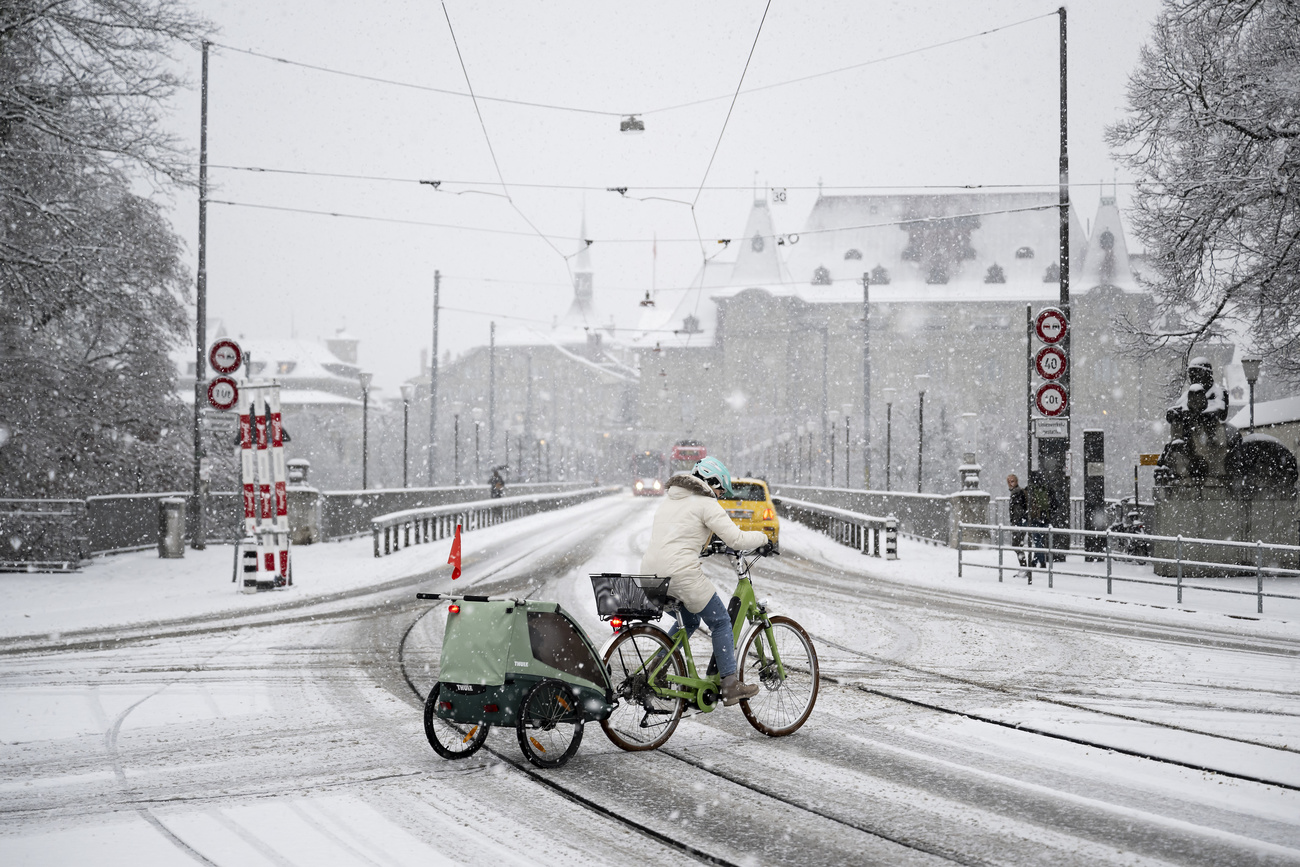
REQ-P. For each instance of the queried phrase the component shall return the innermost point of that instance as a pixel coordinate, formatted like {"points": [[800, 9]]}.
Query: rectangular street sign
{"points": [[222, 422], [1051, 428], [1148, 460]]}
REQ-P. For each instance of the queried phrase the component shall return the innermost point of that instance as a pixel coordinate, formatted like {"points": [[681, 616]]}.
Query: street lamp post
{"points": [[408, 391], [799, 430], [847, 409], [1250, 366], [455, 436], [477, 412], [922, 380], [366, 379], [890, 393], [832, 416]]}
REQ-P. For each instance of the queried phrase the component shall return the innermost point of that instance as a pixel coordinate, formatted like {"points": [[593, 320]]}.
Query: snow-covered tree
{"points": [[1214, 119], [92, 288]]}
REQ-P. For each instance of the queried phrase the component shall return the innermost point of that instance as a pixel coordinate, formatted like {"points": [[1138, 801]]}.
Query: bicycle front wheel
{"points": [[642, 720], [783, 703], [451, 740]]}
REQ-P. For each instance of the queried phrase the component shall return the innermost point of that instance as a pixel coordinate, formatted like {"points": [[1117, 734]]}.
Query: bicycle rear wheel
{"points": [[550, 725], [451, 740], [642, 720], [782, 704]]}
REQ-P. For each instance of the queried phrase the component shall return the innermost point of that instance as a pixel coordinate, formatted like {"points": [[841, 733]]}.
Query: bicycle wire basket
{"points": [[634, 597]]}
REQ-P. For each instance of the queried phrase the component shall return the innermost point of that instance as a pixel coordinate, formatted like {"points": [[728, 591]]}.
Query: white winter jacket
{"points": [[685, 521]]}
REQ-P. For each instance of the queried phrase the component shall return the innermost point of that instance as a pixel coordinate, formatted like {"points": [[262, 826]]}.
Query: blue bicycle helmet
{"points": [[712, 469]]}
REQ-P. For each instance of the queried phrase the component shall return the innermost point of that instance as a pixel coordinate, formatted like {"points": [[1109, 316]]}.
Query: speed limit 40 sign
{"points": [[1051, 399], [1050, 362]]}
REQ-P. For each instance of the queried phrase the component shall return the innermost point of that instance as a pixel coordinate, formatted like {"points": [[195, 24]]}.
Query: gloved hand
{"points": [[768, 550]]}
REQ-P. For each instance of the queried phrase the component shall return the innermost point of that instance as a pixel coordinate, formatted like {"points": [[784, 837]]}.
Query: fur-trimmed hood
{"points": [[690, 484]]}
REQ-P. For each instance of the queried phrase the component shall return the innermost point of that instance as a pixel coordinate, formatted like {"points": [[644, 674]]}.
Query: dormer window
{"points": [[285, 367], [880, 276], [690, 325], [1053, 273], [853, 254], [995, 274], [1025, 253], [821, 276]]}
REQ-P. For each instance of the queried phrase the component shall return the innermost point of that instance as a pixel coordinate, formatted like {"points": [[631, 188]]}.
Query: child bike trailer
{"points": [[514, 662]]}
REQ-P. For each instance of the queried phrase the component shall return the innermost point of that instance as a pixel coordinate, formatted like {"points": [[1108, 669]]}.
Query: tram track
{"points": [[1037, 696]]}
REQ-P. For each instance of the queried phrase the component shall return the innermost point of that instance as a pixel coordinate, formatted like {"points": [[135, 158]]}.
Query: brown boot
{"points": [[734, 691]]}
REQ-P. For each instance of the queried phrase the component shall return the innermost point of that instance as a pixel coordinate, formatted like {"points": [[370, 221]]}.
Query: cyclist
{"points": [[683, 524]]}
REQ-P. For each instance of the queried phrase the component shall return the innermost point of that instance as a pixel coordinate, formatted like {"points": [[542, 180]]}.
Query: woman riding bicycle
{"points": [[684, 523]]}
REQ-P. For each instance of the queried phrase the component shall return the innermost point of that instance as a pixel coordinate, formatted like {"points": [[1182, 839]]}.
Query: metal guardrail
{"points": [[1111, 554], [431, 523], [864, 532]]}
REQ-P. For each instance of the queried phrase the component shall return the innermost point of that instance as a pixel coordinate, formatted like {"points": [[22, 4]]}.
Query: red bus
{"points": [[685, 454]]}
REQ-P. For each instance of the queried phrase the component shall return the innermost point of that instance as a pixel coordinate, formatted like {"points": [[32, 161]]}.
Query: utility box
{"points": [[171, 527]]}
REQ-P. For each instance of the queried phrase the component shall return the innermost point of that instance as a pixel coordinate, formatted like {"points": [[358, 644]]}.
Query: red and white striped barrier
{"points": [[265, 548]]}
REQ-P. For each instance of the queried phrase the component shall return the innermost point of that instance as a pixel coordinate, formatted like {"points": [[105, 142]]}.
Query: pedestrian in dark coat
{"points": [[1018, 512]]}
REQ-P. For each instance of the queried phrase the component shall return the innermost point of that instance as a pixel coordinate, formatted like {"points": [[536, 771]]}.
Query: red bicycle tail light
{"points": [[616, 623], [491, 708], [444, 705], [453, 609]]}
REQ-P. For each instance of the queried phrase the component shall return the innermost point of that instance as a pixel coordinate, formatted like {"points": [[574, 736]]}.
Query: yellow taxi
{"points": [[752, 507]]}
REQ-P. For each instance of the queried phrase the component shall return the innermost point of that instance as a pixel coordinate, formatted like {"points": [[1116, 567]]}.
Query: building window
{"points": [[1053, 273], [691, 325], [880, 276], [285, 366], [821, 276], [853, 254], [1025, 253], [995, 274]]}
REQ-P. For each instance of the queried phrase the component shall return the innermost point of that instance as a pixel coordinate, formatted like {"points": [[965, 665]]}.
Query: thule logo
{"points": [[521, 664]]}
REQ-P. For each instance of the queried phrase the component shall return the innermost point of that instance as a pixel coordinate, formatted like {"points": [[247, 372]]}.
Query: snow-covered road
{"points": [[167, 719]]}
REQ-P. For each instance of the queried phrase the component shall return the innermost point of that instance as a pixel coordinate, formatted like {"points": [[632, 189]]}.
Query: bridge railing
{"points": [[867, 533], [398, 530], [1275, 561]]}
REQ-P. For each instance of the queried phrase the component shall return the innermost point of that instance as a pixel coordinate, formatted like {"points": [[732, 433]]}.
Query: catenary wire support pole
{"points": [[1063, 494], [866, 387], [198, 533], [433, 383], [492, 393]]}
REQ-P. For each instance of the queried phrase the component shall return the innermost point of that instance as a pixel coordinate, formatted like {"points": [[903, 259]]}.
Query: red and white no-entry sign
{"points": [[1050, 362], [223, 393], [1051, 325], [225, 356], [1051, 399]]}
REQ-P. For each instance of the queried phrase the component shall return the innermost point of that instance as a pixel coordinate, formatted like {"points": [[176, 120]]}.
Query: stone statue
{"points": [[1199, 436]]}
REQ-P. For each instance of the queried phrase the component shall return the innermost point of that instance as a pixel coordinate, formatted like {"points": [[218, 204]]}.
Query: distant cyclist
{"points": [[684, 523]]}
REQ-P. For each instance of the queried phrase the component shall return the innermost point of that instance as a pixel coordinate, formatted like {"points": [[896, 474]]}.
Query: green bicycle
{"points": [[653, 676]]}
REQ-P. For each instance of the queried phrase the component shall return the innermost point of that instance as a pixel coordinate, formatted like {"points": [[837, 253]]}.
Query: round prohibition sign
{"points": [[225, 356], [1050, 362], [1051, 325], [223, 393], [1051, 399]]}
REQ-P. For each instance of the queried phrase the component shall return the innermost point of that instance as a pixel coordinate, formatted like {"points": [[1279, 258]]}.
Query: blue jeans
{"points": [[1038, 558], [724, 646]]}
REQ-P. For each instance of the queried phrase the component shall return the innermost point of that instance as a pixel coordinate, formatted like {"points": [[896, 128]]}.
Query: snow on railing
{"points": [[432, 523], [1131, 548], [854, 529]]}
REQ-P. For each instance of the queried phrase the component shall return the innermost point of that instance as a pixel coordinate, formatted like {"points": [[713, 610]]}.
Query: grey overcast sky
{"points": [[516, 179]]}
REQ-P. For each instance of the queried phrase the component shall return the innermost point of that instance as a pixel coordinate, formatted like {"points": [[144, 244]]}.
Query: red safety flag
{"points": [[454, 557]]}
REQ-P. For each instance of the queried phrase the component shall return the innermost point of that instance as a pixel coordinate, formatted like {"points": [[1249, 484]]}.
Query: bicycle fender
{"points": [[604, 648]]}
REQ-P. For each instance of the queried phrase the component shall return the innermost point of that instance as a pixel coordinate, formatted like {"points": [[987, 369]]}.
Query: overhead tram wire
{"points": [[696, 240], [392, 82], [624, 190], [487, 138]]}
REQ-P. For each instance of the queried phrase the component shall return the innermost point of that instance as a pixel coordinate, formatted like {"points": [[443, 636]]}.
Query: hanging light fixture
{"points": [[632, 124], [647, 301]]}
